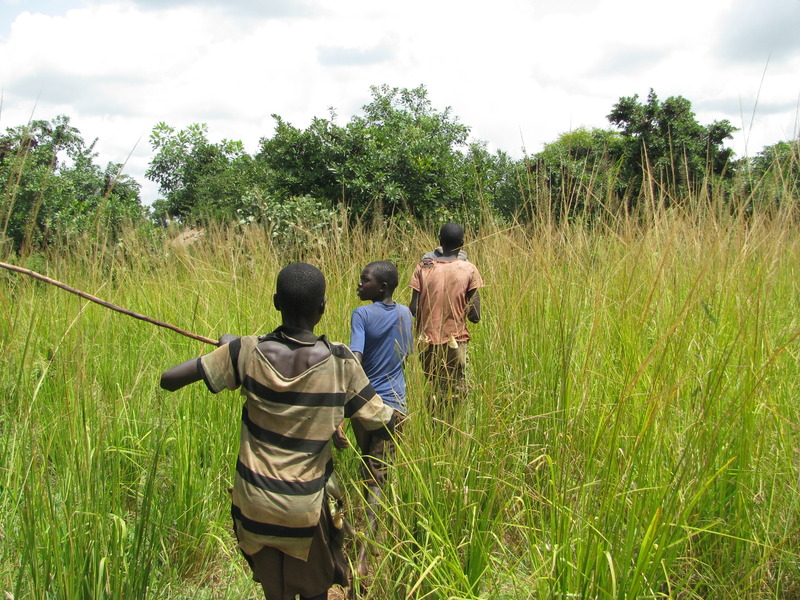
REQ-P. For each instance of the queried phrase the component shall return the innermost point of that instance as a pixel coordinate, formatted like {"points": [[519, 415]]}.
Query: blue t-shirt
{"points": [[382, 334]]}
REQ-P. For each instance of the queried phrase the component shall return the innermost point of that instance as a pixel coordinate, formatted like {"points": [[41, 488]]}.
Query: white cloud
{"points": [[515, 71], [756, 32]]}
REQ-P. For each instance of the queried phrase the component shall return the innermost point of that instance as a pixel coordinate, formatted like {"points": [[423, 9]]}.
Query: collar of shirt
{"points": [[304, 337]]}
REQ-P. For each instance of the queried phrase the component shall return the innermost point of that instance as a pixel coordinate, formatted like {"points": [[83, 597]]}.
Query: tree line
{"points": [[402, 157]]}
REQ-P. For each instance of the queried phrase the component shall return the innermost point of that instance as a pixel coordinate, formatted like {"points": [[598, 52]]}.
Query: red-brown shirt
{"points": [[442, 303]]}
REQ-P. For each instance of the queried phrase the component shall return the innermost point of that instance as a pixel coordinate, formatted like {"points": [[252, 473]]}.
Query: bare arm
{"points": [[474, 306], [414, 302], [188, 371], [180, 375], [359, 356]]}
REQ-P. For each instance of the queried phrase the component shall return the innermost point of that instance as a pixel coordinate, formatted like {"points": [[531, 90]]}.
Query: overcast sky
{"points": [[518, 73]]}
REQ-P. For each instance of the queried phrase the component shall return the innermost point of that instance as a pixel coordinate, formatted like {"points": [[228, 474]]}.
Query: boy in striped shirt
{"points": [[298, 389]]}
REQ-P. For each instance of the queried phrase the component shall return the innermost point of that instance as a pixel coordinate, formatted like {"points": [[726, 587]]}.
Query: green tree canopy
{"points": [[51, 189], [665, 140], [310, 162], [580, 170], [401, 155], [776, 170], [199, 179], [410, 153]]}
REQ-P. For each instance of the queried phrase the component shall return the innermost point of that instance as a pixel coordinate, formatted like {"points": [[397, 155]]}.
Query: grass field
{"points": [[631, 432]]}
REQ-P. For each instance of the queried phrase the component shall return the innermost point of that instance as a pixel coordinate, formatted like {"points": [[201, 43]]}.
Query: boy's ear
{"points": [[275, 302], [322, 306]]}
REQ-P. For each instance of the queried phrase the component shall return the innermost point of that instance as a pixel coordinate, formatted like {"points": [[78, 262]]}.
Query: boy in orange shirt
{"points": [[445, 295]]}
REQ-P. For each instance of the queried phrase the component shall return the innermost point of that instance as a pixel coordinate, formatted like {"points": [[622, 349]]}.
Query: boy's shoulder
{"points": [[382, 309], [341, 351], [377, 315], [438, 253]]}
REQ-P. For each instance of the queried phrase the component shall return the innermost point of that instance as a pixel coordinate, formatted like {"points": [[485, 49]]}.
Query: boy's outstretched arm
{"points": [[180, 375], [188, 371]]}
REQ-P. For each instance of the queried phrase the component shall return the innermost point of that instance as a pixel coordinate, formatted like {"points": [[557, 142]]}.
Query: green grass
{"points": [[631, 430]]}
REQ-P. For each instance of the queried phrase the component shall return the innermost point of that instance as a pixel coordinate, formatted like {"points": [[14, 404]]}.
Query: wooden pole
{"points": [[97, 300]]}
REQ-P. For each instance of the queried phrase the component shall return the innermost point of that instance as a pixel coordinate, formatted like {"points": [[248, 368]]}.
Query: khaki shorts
{"points": [[446, 367]]}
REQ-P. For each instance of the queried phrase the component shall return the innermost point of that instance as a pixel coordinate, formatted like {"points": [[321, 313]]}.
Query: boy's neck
{"points": [[387, 299], [301, 323], [450, 252]]}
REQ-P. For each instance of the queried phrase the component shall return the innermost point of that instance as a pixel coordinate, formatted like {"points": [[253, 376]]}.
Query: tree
{"points": [[664, 140], [776, 170], [409, 156], [581, 170], [401, 156], [199, 180], [51, 189], [310, 162], [495, 181]]}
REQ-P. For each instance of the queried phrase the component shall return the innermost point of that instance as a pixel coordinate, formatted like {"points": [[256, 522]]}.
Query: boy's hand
{"points": [[226, 338], [340, 440]]}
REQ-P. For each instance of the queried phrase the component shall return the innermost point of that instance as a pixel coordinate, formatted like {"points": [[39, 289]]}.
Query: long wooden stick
{"points": [[119, 309]]}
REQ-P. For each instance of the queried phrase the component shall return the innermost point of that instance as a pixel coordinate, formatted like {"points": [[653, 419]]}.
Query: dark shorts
{"points": [[446, 367], [376, 452], [282, 576]]}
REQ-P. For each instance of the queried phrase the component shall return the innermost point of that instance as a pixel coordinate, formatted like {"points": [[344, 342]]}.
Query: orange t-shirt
{"points": [[442, 304]]}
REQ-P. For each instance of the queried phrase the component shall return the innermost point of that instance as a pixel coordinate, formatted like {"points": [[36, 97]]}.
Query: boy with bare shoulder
{"points": [[298, 388]]}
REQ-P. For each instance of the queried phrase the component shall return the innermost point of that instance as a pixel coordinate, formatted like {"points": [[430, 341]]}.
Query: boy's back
{"points": [[445, 295], [443, 287], [298, 389], [287, 421]]}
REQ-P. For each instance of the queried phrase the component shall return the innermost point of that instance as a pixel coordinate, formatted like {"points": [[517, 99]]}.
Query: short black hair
{"points": [[451, 236], [300, 288], [385, 272]]}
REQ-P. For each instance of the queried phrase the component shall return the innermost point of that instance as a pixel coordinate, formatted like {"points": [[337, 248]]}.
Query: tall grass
{"points": [[631, 429]]}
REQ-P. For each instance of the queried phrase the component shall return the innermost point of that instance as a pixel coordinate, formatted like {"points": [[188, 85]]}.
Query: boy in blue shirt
{"points": [[381, 338], [380, 333]]}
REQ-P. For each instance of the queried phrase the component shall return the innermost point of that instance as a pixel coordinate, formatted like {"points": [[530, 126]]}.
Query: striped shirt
{"points": [[287, 423]]}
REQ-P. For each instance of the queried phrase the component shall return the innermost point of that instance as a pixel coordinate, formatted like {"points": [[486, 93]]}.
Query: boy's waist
{"points": [[440, 338]]}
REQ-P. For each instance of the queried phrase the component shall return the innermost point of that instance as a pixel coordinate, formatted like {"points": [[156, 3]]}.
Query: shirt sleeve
{"points": [[416, 279], [366, 406], [220, 368], [357, 327], [476, 281]]}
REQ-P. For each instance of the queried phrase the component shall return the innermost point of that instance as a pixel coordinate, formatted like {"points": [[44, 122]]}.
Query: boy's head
{"points": [[378, 281], [300, 291], [451, 236]]}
